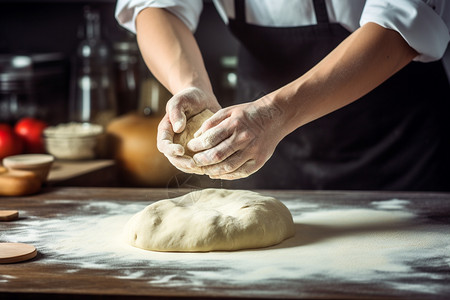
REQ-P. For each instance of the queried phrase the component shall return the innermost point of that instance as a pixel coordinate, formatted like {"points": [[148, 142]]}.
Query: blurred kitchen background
{"points": [[67, 61], [51, 32], [53, 52]]}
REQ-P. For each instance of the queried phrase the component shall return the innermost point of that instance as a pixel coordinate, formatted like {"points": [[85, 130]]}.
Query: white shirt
{"points": [[424, 24]]}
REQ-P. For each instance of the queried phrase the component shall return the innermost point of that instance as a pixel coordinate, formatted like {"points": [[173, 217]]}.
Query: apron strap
{"points": [[320, 9], [239, 10]]}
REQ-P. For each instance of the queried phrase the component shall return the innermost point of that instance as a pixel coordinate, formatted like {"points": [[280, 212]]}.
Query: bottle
{"points": [[92, 91], [128, 75]]}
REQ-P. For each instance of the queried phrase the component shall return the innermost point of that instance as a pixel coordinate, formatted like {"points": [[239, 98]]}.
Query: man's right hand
{"points": [[179, 108]]}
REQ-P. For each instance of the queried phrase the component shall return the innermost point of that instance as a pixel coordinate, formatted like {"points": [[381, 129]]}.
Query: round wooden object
{"points": [[8, 215], [16, 252]]}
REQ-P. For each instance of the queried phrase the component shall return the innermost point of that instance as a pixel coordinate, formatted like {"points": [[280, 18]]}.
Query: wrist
{"points": [[283, 110], [271, 114], [178, 85], [200, 98]]}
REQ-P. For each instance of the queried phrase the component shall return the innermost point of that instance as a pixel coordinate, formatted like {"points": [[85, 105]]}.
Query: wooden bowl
{"points": [[39, 164]]}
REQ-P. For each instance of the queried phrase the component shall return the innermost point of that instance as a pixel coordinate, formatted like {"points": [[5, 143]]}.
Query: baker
{"points": [[331, 94]]}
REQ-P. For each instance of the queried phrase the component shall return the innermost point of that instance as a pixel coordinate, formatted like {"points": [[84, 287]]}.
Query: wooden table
{"points": [[356, 245]]}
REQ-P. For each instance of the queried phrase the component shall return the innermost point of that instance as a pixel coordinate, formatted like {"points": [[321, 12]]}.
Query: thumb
{"points": [[178, 120]]}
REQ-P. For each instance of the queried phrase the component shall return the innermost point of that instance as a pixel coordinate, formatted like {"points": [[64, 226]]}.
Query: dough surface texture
{"points": [[208, 220], [192, 125]]}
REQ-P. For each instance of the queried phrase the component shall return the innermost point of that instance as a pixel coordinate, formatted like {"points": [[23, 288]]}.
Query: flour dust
{"points": [[384, 244]]}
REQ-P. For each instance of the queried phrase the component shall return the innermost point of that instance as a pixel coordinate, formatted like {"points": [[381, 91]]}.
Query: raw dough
{"points": [[192, 125], [210, 219]]}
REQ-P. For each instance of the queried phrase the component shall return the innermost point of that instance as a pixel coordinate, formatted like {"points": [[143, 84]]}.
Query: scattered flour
{"points": [[340, 244], [6, 278], [391, 204]]}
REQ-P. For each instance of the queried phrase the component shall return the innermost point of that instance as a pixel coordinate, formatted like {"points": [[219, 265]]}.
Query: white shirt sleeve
{"points": [[421, 24], [187, 11]]}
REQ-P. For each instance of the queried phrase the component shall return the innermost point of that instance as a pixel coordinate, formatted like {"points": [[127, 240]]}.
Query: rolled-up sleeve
{"points": [[420, 24], [187, 11]]}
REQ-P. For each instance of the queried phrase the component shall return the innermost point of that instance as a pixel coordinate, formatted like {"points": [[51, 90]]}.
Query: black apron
{"points": [[394, 138]]}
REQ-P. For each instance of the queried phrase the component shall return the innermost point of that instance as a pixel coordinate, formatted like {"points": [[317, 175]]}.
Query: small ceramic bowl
{"points": [[73, 141], [39, 164]]}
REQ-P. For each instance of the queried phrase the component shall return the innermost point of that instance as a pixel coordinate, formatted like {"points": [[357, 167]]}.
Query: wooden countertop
{"points": [[357, 245]]}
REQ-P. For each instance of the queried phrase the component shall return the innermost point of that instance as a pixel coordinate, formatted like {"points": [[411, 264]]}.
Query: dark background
{"points": [[43, 26]]}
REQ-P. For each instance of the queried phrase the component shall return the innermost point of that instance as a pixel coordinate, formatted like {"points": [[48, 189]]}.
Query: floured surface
{"points": [[378, 246]]}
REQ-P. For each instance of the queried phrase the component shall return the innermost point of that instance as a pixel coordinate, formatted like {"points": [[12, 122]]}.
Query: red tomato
{"points": [[30, 130], [10, 143]]}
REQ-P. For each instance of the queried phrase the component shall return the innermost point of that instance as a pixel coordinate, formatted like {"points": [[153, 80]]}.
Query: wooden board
{"points": [[99, 172], [16, 252], [8, 215], [400, 249]]}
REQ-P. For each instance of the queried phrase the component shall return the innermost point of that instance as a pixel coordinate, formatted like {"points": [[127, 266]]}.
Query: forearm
{"points": [[363, 61], [170, 51], [360, 63]]}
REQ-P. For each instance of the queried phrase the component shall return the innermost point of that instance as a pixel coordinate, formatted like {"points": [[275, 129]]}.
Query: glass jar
{"points": [[92, 90], [17, 96], [127, 75]]}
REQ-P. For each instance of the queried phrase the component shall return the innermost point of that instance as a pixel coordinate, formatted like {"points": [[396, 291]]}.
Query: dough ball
{"points": [[210, 219], [192, 125]]}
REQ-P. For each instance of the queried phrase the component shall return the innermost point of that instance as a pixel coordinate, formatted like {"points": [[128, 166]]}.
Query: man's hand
{"points": [[172, 55], [237, 141], [179, 108]]}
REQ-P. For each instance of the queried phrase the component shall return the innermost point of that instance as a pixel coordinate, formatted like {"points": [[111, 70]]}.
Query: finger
{"points": [[185, 164], [229, 165], [170, 149], [210, 138], [182, 105], [175, 109], [248, 168], [177, 119], [164, 139], [218, 153], [212, 121]]}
